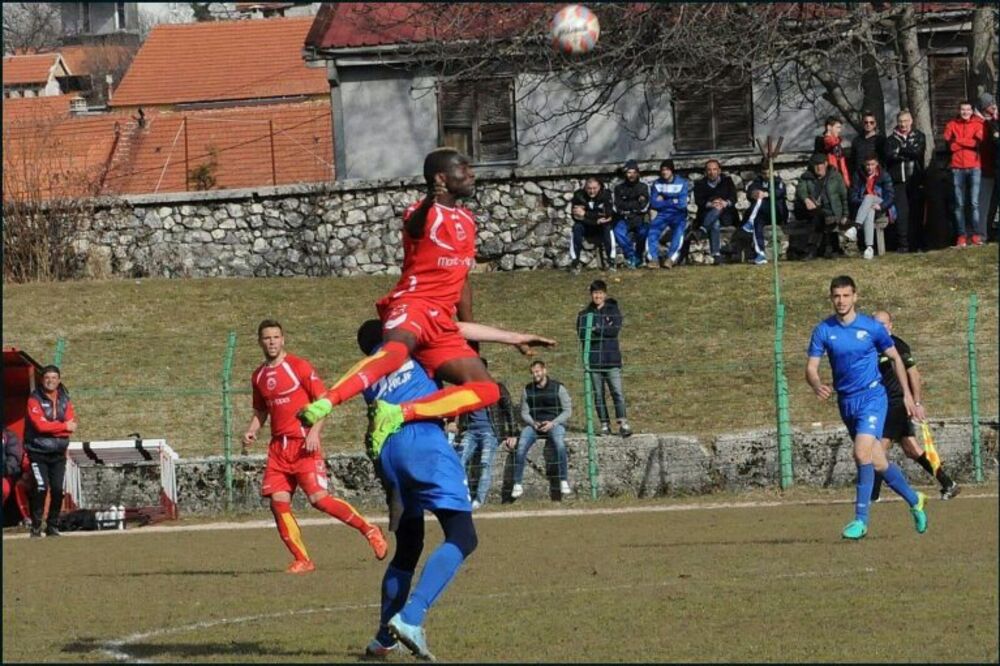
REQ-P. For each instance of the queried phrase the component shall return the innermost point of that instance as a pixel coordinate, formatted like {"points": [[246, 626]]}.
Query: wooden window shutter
{"points": [[496, 121], [949, 86], [733, 119], [693, 122]]}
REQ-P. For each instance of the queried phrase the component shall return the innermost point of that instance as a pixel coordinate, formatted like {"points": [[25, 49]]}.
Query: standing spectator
{"points": [[51, 420], [831, 145], [821, 197], [592, 210], [669, 198], [605, 361], [873, 195], [758, 215], [545, 409], [13, 453], [481, 430], [871, 142], [989, 190], [631, 204], [715, 196], [904, 160], [964, 135]]}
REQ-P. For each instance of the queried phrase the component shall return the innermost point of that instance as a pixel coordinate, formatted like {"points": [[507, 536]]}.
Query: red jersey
{"points": [[435, 265], [283, 390]]}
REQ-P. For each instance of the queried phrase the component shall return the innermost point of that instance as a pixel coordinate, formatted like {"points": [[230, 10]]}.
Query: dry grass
{"points": [[147, 356]]}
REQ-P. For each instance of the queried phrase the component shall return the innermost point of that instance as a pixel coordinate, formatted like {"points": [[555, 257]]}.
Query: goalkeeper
{"points": [[898, 427]]}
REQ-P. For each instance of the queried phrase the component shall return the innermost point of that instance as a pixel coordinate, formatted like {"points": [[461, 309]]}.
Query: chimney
{"points": [[77, 105], [110, 81]]}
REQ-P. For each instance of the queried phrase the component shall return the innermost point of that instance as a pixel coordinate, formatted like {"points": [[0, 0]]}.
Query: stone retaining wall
{"points": [[641, 466]]}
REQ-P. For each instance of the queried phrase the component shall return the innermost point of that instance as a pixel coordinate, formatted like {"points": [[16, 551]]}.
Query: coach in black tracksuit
{"points": [[51, 420], [898, 426]]}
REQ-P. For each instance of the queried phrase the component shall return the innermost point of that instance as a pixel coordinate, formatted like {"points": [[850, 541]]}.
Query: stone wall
{"points": [[640, 466], [344, 229]]}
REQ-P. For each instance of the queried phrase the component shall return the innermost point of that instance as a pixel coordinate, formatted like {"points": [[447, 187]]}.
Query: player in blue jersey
{"points": [[853, 342], [421, 471]]}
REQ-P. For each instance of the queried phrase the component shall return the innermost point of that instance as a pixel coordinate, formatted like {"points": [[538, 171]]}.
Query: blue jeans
{"points": [[472, 441], [612, 377], [713, 225], [528, 438], [961, 178]]}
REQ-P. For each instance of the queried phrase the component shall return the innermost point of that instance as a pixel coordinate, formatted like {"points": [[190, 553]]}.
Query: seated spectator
{"points": [[605, 361], [964, 135], [831, 146], [873, 196], [631, 205], [13, 453], [758, 215], [545, 409], [989, 188], [668, 196], [51, 420], [904, 160], [821, 198], [871, 142], [481, 430], [592, 210], [715, 196]]}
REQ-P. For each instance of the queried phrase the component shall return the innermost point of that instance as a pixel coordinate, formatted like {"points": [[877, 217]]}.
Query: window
{"points": [[119, 16], [949, 86], [477, 118], [713, 120]]}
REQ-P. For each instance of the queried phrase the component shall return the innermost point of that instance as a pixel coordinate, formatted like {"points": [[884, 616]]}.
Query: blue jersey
{"points": [[853, 350], [409, 382]]}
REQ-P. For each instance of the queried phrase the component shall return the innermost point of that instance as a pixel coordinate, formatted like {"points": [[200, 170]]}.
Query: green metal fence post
{"points": [[60, 350], [977, 460], [781, 401], [227, 415], [588, 400]]}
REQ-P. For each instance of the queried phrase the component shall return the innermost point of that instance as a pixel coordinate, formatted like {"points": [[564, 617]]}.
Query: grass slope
{"points": [[147, 355]]}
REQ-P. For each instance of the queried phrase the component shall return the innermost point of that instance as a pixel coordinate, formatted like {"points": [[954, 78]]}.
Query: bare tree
{"points": [[30, 26], [984, 48]]}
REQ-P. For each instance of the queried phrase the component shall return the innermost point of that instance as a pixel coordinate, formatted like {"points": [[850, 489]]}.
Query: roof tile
{"points": [[22, 69]]}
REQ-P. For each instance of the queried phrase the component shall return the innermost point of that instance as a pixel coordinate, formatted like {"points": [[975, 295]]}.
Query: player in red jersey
{"points": [[282, 385], [418, 315]]}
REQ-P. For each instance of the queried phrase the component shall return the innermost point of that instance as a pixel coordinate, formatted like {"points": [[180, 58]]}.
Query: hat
{"points": [[598, 285], [817, 158], [985, 101], [631, 164], [667, 164]]}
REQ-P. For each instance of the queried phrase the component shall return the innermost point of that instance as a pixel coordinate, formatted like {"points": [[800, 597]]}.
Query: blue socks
{"points": [[395, 589], [862, 503], [438, 571], [894, 477]]}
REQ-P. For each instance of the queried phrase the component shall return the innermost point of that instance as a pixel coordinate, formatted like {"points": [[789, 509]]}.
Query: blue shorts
{"points": [[864, 412], [425, 470]]}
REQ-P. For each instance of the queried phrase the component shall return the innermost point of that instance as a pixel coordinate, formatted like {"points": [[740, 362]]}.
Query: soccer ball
{"points": [[575, 30]]}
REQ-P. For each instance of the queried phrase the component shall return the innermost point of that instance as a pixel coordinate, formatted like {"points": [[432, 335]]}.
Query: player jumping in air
{"points": [[439, 245], [281, 386], [853, 343]]}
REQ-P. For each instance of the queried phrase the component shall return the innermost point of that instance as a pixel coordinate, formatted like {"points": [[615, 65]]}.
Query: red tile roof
{"points": [[24, 69], [32, 109], [82, 59], [221, 60], [238, 141]]}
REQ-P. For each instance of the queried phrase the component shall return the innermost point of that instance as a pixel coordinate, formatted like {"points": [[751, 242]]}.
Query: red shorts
{"points": [[7, 487], [438, 337], [282, 474]]}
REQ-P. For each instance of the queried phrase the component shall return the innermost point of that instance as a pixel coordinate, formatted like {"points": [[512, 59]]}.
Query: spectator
{"points": [[872, 194], [592, 211], [989, 190], [871, 142], [758, 215], [669, 198], [715, 196], [480, 432], [831, 145], [821, 198], [904, 160], [631, 204], [545, 409], [51, 420], [605, 361], [964, 135], [13, 453]]}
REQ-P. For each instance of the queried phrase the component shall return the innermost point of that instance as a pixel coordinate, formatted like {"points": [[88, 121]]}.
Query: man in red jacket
{"points": [[964, 135], [51, 420]]}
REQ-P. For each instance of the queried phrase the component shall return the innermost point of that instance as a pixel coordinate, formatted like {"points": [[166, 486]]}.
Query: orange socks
{"points": [[452, 401], [288, 528]]}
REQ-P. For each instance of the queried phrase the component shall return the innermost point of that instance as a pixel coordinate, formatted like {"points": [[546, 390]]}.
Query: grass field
{"points": [[147, 356], [684, 580]]}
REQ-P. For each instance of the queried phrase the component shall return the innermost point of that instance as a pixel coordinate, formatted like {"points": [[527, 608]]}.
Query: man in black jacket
{"points": [[51, 420], [605, 360], [12, 455], [481, 430], [631, 203], [904, 159], [592, 210], [871, 142], [715, 196]]}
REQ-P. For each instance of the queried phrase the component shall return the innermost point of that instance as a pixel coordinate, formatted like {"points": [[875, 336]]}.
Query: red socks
{"points": [[288, 528], [368, 371], [343, 512]]}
